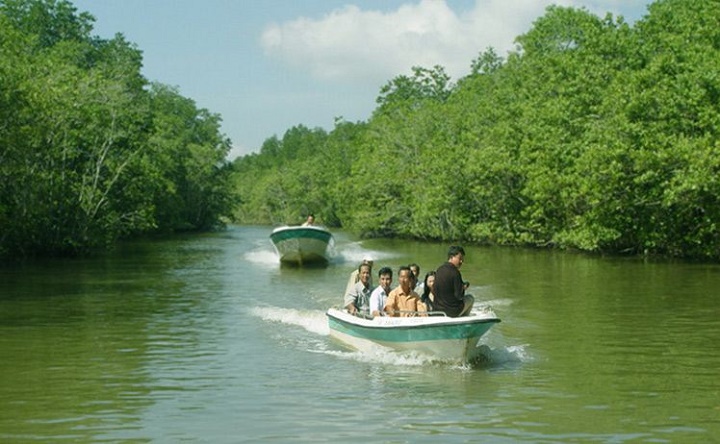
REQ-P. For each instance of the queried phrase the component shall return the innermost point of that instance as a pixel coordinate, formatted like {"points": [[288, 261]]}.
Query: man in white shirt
{"points": [[379, 295]]}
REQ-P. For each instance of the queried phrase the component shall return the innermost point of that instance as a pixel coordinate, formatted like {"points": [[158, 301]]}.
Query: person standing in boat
{"points": [[403, 301], [380, 294], [449, 287], [310, 221], [358, 298]]}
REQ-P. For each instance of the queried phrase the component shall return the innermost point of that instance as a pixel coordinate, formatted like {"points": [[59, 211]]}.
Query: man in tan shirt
{"points": [[403, 301]]}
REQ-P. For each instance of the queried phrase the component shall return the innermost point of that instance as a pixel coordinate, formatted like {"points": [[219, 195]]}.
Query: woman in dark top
{"points": [[428, 297]]}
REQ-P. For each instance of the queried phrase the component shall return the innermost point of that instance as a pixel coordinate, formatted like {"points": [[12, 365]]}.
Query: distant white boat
{"points": [[440, 337], [302, 244]]}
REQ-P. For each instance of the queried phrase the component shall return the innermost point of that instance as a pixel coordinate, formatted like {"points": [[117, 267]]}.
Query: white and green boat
{"points": [[302, 244], [441, 337]]}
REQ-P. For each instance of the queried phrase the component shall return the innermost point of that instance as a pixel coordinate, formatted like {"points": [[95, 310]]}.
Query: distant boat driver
{"points": [[310, 221]]}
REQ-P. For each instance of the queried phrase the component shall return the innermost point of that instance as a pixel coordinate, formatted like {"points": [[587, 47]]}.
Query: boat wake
{"points": [[262, 257], [354, 253], [315, 322]]}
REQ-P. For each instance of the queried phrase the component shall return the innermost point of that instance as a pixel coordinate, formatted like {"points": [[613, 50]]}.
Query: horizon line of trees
{"points": [[592, 134], [90, 151]]}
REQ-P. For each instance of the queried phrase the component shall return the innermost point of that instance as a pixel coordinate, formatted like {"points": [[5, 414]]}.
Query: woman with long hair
{"points": [[428, 297]]}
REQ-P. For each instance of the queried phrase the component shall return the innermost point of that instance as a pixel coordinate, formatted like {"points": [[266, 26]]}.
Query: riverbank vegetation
{"points": [[90, 151], [594, 134]]}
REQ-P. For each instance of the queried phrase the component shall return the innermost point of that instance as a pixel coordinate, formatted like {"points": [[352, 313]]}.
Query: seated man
{"points": [[357, 300], [403, 301], [354, 276], [379, 295]]}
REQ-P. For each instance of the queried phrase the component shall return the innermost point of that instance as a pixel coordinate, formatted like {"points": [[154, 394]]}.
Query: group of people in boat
{"points": [[442, 290]]}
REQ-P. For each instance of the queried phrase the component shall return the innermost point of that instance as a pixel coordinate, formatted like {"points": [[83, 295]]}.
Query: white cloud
{"points": [[351, 44]]}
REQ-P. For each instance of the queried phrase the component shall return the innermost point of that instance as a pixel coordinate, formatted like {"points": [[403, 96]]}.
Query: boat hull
{"points": [[440, 337], [300, 245]]}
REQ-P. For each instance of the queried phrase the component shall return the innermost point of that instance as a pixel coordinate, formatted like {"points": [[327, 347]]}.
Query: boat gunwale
{"points": [[443, 322], [299, 228]]}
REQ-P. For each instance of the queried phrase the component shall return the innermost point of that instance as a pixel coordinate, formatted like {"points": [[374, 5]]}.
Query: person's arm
{"points": [[420, 305], [374, 304], [458, 287], [352, 280], [390, 304], [350, 300]]}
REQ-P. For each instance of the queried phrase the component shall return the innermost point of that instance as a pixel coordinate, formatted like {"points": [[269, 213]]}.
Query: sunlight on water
{"points": [[210, 339]]}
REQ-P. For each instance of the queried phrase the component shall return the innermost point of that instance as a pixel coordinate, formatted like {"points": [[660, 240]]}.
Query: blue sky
{"points": [[267, 65]]}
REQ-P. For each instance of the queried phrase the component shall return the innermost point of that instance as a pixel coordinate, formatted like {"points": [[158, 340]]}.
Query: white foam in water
{"points": [[497, 302], [354, 253], [262, 257], [315, 322], [381, 355], [311, 320], [483, 311]]}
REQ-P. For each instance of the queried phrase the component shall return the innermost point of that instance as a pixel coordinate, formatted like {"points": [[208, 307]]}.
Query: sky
{"points": [[267, 65]]}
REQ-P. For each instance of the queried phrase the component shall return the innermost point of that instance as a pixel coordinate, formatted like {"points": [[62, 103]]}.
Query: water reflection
{"points": [[210, 338]]}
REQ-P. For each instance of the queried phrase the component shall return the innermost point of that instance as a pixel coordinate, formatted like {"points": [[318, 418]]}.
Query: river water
{"points": [[208, 339]]}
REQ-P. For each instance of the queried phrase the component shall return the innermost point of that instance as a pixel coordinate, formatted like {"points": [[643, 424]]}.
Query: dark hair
{"points": [[385, 270], [425, 297], [455, 250], [405, 267], [364, 264], [414, 265]]}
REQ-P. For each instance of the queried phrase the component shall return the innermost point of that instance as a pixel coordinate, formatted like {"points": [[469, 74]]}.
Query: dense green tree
{"points": [[186, 153], [294, 182], [593, 134], [88, 153]]}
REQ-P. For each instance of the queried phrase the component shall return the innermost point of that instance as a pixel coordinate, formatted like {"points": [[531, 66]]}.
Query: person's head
{"points": [[364, 271], [429, 284], [368, 260], [385, 278], [311, 219], [429, 280], [456, 255], [415, 268], [405, 278]]}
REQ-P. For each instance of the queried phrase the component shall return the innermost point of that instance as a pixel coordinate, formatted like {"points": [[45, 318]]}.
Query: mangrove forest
{"points": [[593, 134]]}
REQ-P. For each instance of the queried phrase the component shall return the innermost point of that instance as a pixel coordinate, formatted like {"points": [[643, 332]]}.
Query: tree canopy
{"points": [[89, 150], [593, 134]]}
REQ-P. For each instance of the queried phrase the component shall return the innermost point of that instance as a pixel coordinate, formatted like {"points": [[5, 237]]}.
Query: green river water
{"points": [[208, 339]]}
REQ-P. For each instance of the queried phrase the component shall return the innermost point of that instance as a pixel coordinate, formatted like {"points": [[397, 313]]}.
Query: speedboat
{"points": [[440, 337], [302, 244]]}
